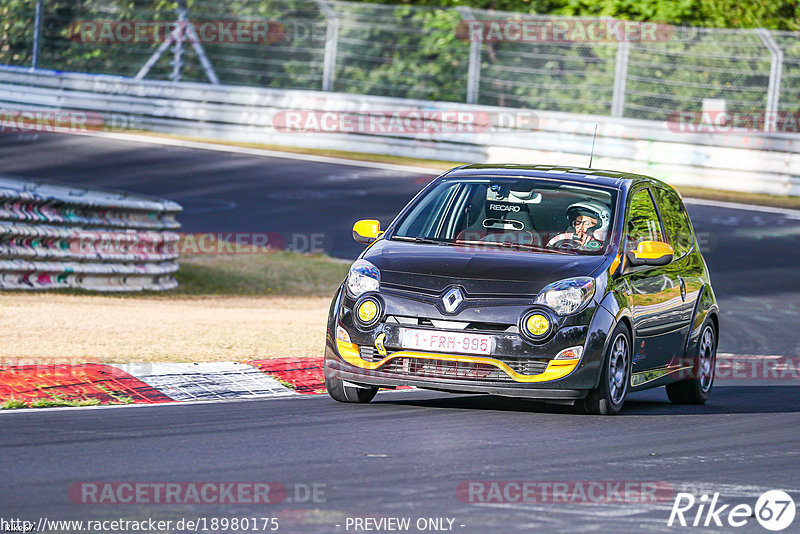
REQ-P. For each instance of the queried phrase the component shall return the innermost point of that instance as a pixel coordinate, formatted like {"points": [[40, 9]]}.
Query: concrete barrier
{"points": [[729, 160], [54, 236]]}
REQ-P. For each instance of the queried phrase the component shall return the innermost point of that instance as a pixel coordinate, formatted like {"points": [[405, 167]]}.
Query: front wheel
{"points": [[609, 396], [697, 390], [339, 391]]}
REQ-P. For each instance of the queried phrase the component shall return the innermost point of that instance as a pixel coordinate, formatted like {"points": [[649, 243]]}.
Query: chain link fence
{"points": [[412, 52]]}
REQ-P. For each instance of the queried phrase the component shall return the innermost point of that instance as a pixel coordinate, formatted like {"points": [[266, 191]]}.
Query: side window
{"points": [[675, 220], [642, 220], [427, 214]]}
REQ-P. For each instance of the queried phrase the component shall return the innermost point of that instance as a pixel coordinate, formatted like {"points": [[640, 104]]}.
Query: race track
{"points": [[406, 453]]}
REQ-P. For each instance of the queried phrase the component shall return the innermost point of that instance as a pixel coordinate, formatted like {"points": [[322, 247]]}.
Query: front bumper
{"points": [[364, 377], [517, 368]]}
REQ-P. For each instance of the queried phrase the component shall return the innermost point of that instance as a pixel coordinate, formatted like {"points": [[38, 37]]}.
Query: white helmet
{"points": [[594, 209]]}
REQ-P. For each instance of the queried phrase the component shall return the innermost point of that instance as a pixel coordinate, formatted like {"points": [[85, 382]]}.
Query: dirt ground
{"points": [[52, 328]]}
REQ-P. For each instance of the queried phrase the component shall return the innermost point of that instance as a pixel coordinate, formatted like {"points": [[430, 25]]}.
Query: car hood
{"points": [[432, 268]]}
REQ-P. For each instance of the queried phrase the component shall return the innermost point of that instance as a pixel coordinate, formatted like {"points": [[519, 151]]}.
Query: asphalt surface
{"points": [[405, 454]]}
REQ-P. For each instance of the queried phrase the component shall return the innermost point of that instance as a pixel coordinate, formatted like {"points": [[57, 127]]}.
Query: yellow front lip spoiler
{"points": [[555, 369]]}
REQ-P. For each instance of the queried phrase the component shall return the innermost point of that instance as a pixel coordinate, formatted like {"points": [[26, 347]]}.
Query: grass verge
{"points": [[277, 273], [56, 401]]}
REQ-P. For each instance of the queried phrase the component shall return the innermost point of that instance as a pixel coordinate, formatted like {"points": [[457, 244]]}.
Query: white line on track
{"points": [[186, 403], [209, 145], [152, 405], [261, 152], [793, 214]]}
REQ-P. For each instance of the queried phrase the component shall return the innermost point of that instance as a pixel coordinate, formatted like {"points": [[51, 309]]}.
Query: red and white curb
{"points": [[149, 383], [153, 383]]}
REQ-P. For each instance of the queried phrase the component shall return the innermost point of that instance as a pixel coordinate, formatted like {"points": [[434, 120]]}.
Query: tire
{"points": [[615, 379], [341, 392], [697, 389]]}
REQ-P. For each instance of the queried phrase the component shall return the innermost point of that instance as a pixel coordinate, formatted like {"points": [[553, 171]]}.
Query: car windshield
{"points": [[519, 213]]}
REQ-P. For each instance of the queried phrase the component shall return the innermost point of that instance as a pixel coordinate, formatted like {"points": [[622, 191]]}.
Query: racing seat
{"points": [[505, 218]]}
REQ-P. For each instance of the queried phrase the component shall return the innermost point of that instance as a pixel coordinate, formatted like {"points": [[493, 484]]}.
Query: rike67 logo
{"points": [[774, 510]]}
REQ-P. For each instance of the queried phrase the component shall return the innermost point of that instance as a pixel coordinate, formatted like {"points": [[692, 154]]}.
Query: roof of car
{"points": [[603, 177]]}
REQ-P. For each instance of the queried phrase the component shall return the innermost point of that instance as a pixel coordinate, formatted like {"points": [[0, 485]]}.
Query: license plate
{"points": [[456, 342]]}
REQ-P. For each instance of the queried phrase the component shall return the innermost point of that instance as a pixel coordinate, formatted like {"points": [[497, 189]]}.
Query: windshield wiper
{"points": [[520, 246], [424, 240]]}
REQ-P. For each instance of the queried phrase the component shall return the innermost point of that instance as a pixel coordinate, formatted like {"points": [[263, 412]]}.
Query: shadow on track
{"points": [[724, 400]]}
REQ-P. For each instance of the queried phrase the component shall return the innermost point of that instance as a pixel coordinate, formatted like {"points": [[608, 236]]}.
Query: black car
{"points": [[562, 284]]}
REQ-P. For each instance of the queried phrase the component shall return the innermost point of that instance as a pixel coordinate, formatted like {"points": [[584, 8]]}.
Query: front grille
{"points": [[369, 353], [452, 324], [444, 369], [462, 370], [527, 366]]}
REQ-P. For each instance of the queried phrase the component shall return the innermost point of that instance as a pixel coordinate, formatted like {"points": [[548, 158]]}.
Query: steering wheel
{"points": [[565, 243]]}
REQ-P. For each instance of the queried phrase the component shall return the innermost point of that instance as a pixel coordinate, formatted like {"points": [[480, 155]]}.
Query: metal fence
{"points": [[422, 53], [54, 236], [758, 163]]}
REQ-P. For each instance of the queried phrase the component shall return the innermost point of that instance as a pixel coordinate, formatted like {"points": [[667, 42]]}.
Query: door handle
{"points": [[683, 289]]}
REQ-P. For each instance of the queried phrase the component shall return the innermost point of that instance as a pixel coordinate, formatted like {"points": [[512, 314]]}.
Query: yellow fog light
{"points": [[537, 325], [367, 311]]}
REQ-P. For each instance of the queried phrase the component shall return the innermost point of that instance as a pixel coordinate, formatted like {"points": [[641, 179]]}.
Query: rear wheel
{"points": [[340, 391], [609, 396], [697, 390]]}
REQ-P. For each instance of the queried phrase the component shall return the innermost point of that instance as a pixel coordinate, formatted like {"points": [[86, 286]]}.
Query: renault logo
{"points": [[452, 299]]}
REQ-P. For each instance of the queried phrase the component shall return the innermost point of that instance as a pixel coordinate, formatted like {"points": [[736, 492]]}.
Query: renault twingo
{"points": [[562, 284]]}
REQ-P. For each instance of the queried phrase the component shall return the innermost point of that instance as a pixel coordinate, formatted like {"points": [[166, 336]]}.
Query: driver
{"points": [[588, 229]]}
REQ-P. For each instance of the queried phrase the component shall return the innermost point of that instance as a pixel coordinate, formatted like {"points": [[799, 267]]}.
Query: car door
{"points": [[685, 267], [653, 292]]}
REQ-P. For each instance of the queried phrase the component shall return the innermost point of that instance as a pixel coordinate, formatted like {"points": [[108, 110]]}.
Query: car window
{"points": [[643, 224], [520, 213], [424, 220], [676, 221]]}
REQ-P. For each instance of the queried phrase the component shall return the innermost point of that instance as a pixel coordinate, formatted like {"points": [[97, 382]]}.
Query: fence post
{"points": [[775, 71], [37, 30], [474, 72], [620, 79], [331, 45], [183, 30]]}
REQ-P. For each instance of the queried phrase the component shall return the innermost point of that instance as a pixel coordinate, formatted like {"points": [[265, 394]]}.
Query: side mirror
{"points": [[366, 231], [650, 253]]}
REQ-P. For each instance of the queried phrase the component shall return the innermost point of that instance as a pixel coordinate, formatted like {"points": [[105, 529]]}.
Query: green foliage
{"points": [[771, 14], [412, 49], [413, 54], [13, 404]]}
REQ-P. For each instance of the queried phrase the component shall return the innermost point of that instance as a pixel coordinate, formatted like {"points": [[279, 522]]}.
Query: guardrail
{"points": [[54, 236], [741, 161]]}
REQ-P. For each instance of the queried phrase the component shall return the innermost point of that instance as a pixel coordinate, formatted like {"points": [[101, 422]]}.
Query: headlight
{"points": [[363, 277], [567, 296]]}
